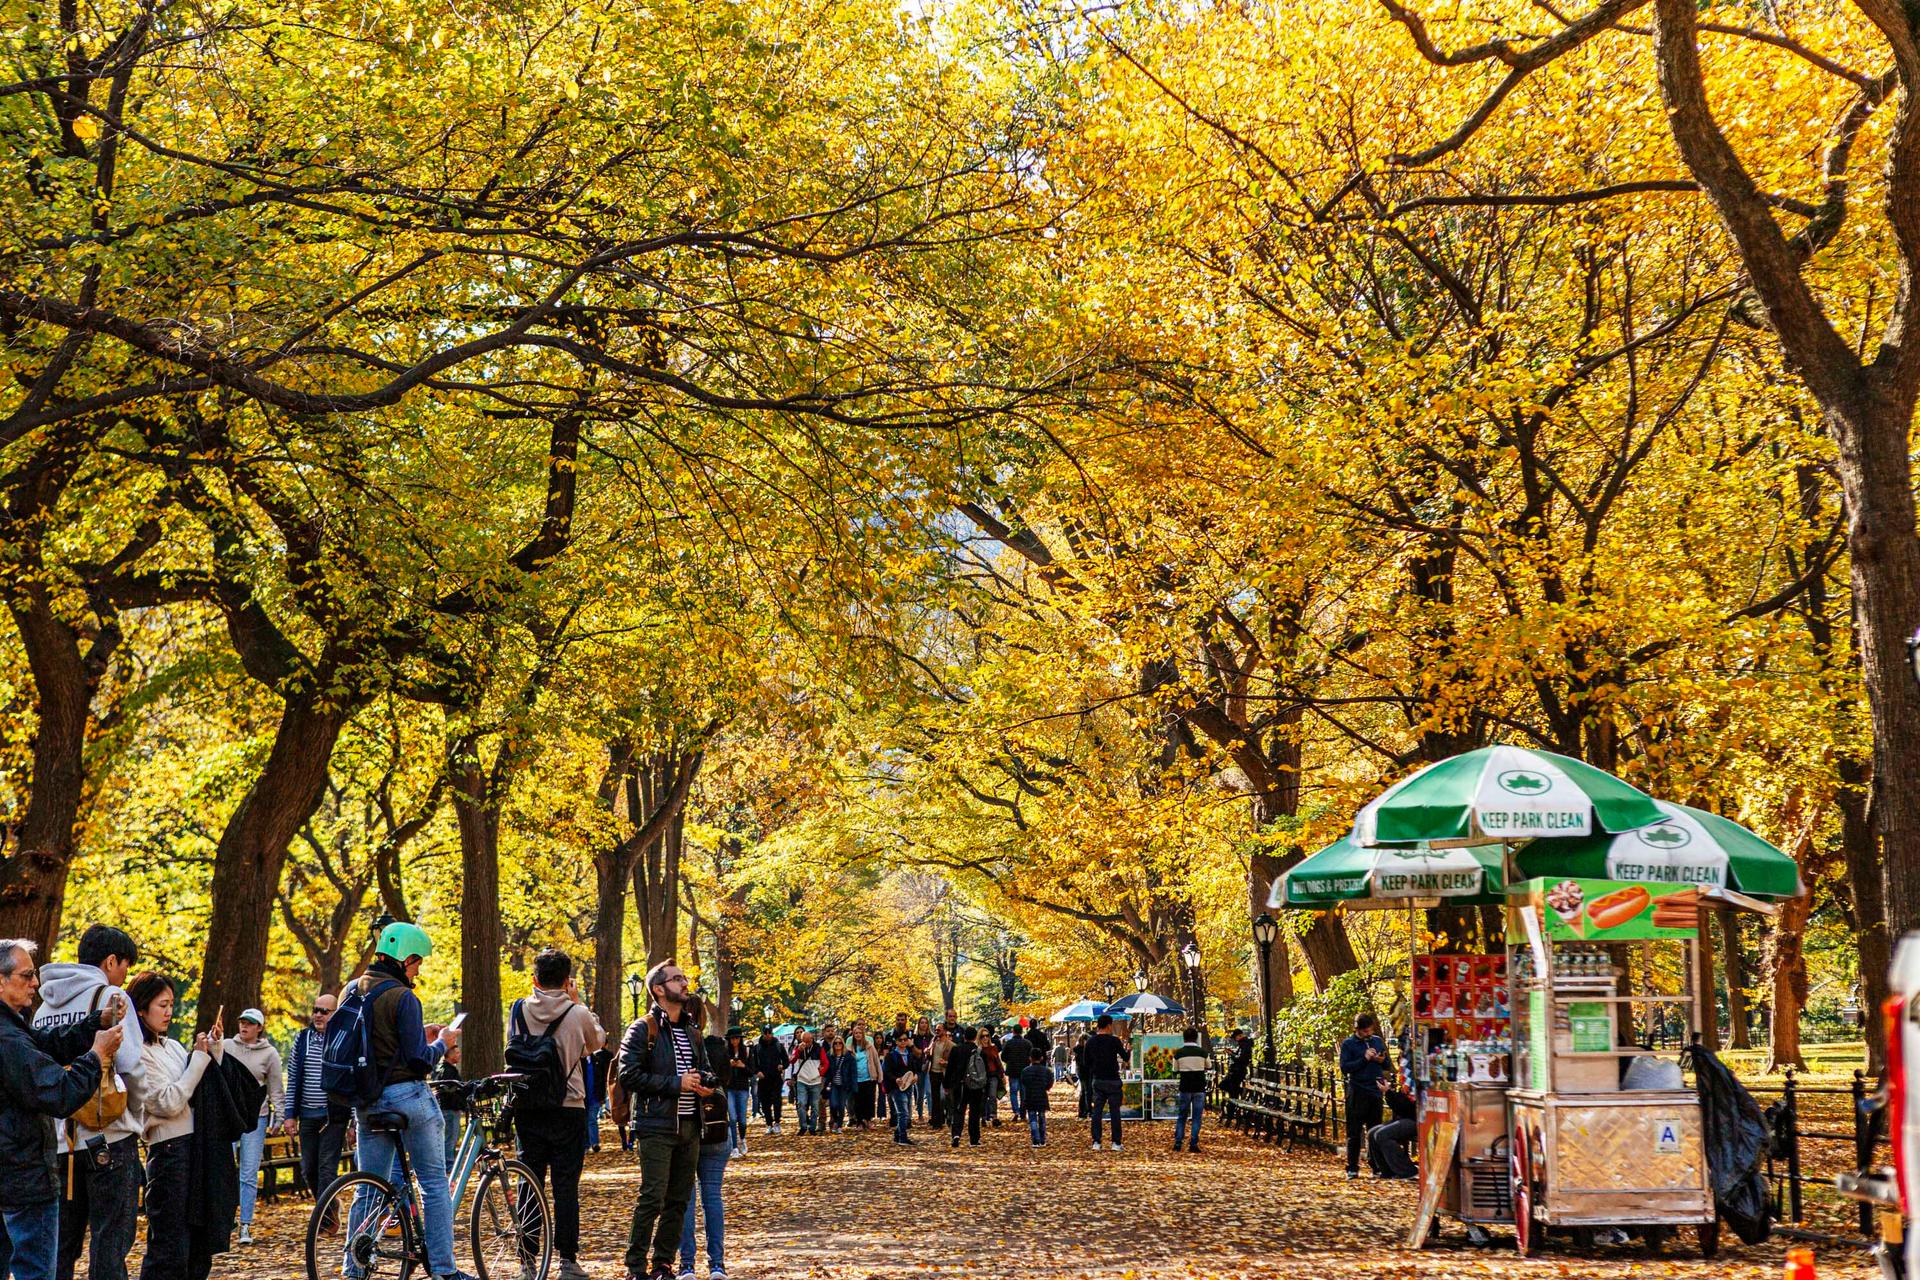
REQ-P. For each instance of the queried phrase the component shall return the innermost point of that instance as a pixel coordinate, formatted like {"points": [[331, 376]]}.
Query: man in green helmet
{"points": [[397, 1028]]}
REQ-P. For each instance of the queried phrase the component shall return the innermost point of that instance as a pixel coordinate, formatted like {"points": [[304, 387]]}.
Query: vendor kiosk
{"points": [[1601, 1133]]}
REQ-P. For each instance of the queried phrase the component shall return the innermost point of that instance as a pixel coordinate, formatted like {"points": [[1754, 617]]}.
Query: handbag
{"points": [[108, 1102], [907, 1080]]}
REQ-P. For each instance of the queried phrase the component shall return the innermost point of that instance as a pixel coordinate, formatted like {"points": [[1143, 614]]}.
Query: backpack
{"points": [[976, 1069], [537, 1059], [349, 1075]]}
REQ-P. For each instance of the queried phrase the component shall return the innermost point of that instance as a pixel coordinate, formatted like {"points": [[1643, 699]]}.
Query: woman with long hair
{"points": [[172, 1073], [866, 1076], [739, 1060], [716, 1149], [840, 1084]]}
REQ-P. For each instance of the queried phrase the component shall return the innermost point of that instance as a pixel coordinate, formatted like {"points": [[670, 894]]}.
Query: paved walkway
{"points": [[856, 1207]]}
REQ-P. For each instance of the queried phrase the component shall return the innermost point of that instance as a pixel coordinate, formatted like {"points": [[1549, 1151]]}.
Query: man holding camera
{"points": [[46, 1074], [663, 1069]]}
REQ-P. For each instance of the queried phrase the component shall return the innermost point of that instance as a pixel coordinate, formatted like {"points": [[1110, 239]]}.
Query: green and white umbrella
{"points": [[1502, 793], [1687, 846], [1345, 872]]}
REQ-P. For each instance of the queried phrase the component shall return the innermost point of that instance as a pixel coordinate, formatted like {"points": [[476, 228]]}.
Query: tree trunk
{"points": [[656, 888], [1740, 1035], [1703, 983], [252, 851], [33, 880], [482, 940], [1857, 799], [609, 939], [1787, 963]]}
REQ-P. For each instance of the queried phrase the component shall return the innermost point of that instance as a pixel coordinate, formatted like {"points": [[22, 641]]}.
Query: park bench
{"points": [[1288, 1104]]}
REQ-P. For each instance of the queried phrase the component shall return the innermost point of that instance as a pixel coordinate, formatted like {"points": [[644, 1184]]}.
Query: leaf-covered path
{"points": [[854, 1206]]}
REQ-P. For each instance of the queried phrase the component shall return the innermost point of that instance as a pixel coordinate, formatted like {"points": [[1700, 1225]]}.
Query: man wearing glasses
{"points": [[308, 1112]]}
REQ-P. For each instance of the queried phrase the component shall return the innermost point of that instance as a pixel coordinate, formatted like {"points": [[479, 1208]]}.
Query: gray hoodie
{"points": [[67, 995]]}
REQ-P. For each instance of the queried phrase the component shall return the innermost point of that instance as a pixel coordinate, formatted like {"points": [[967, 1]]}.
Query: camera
{"points": [[97, 1151], [708, 1080]]}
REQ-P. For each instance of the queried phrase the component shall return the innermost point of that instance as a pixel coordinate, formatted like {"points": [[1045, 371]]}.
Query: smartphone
{"points": [[458, 1018]]}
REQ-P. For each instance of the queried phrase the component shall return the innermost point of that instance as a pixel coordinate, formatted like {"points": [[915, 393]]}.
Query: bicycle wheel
{"points": [[360, 1231], [510, 1227]]}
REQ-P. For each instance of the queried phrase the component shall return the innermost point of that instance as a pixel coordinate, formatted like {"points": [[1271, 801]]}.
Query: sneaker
{"points": [[686, 1273], [1194, 1147], [570, 1270], [246, 1234], [454, 1275], [956, 1140], [1116, 1146], [716, 1274], [1352, 1175], [1098, 1147]]}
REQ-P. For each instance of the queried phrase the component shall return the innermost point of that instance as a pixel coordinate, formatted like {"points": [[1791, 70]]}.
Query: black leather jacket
{"points": [[646, 1070]]}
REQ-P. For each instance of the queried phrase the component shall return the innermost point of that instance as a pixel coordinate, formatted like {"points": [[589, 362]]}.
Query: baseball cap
{"points": [[253, 1016]]}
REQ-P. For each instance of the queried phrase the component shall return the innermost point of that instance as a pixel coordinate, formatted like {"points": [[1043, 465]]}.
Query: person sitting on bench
{"points": [[1390, 1145]]}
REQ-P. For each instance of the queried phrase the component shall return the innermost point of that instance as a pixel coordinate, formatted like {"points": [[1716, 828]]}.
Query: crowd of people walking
{"points": [[92, 1075]]}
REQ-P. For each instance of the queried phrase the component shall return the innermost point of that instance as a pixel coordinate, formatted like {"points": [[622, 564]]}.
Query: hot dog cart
{"points": [[1602, 1132], [1557, 1113]]}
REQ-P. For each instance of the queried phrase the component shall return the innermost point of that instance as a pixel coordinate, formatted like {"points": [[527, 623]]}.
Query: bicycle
{"points": [[509, 1227]]}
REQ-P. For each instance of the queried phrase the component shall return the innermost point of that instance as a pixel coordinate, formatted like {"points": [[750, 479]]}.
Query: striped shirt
{"points": [[305, 1097], [683, 1063]]}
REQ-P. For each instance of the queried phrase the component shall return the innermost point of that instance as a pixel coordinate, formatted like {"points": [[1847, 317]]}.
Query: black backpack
{"points": [[349, 1074], [537, 1060]]}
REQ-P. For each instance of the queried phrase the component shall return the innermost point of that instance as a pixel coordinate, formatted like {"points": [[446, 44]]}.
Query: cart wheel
{"points": [[1708, 1234], [1527, 1234]]}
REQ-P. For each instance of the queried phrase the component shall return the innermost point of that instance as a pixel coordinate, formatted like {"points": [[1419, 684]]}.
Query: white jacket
{"points": [[172, 1075], [68, 995]]}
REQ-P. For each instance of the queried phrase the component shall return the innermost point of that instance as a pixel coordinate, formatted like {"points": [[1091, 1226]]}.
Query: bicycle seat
{"points": [[386, 1122]]}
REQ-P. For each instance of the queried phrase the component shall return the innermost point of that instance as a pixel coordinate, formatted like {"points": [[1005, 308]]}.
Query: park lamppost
{"points": [[733, 1007], [1265, 930], [1106, 989], [634, 984], [768, 1011], [1140, 981], [1190, 957]]}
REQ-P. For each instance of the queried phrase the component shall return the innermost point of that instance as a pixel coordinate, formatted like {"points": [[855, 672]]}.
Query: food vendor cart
{"points": [[1563, 1119], [1601, 1132]]}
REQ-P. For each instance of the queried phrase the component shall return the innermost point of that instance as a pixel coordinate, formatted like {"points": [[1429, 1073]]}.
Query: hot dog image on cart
{"points": [[1542, 1105]]}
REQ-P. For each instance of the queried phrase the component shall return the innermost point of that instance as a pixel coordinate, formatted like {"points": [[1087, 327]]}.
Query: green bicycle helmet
{"points": [[403, 941]]}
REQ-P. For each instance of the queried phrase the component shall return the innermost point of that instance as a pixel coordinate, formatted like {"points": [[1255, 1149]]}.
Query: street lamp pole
{"points": [[1196, 1006], [634, 983], [1265, 930]]}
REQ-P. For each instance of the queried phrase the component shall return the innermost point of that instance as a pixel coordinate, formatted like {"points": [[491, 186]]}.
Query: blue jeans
{"points": [[713, 1166], [839, 1098], [251, 1149], [922, 1095], [1037, 1125], [454, 1122], [29, 1241], [426, 1144], [902, 1112], [1190, 1107], [593, 1126], [807, 1101], [1013, 1092], [739, 1101]]}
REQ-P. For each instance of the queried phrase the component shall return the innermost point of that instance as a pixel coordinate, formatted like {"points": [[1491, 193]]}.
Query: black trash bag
{"points": [[1736, 1136]]}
